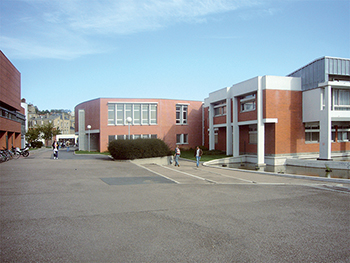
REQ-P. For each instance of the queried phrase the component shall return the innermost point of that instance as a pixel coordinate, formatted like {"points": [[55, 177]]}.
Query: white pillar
{"points": [[260, 127], [228, 128], [326, 126], [81, 130], [235, 128], [211, 128]]}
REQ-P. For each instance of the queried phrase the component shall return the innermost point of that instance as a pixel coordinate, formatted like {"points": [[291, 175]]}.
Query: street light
{"points": [[129, 120], [89, 127]]}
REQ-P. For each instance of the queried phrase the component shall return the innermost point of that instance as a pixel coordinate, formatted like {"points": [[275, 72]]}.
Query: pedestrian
{"points": [[67, 146], [55, 147], [177, 155], [198, 154]]}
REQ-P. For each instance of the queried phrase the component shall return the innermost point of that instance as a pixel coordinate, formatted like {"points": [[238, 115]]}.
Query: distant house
{"points": [[306, 112], [99, 121], [12, 118]]}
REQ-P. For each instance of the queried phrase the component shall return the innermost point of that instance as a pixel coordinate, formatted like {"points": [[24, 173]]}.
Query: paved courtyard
{"points": [[93, 209]]}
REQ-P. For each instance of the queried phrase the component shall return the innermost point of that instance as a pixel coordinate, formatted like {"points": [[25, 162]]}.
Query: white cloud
{"points": [[64, 28]]}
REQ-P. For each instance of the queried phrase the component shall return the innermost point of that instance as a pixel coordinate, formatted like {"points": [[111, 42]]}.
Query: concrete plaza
{"points": [[93, 209]]}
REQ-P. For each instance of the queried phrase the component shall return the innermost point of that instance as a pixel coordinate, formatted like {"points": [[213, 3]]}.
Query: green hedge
{"points": [[138, 148]]}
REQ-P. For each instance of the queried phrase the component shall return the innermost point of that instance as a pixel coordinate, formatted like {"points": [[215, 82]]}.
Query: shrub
{"points": [[138, 148], [36, 144]]}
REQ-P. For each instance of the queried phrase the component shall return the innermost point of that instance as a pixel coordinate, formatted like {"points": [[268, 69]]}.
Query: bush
{"points": [[138, 148], [36, 144]]}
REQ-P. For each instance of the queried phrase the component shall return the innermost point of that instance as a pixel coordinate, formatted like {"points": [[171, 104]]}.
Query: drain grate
{"points": [[136, 180]]}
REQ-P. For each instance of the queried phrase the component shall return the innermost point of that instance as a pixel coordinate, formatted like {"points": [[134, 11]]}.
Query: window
{"points": [[120, 114], [344, 133], [253, 134], [181, 114], [153, 118], [341, 99], [181, 138], [248, 103], [145, 114], [140, 113], [128, 112], [220, 108], [137, 114], [312, 133]]}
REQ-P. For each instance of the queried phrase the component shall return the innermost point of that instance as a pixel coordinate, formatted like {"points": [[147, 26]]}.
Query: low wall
{"points": [[319, 164], [286, 160], [156, 160]]}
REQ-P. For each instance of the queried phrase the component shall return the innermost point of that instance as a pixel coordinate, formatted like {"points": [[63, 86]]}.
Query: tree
{"points": [[32, 135], [48, 131]]}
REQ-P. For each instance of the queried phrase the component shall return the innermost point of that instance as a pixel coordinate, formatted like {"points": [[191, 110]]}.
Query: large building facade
{"points": [[12, 118], [306, 112], [177, 122]]}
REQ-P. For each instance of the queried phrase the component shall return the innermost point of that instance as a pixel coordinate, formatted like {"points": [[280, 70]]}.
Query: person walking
{"points": [[55, 147], [198, 154], [177, 155], [67, 144]]}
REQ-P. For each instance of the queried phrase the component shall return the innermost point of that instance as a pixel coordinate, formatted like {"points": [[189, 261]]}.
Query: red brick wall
{"points": [[244, 146], [219, 119], [221, 145], [10, 83], [166, 129], [206, 127], [248, 115], [10, 96]]}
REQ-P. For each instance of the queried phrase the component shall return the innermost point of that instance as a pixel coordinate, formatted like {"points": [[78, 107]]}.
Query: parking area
{"points": [[93, 209]]}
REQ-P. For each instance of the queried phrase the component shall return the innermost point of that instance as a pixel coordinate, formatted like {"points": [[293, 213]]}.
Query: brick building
{"points": [[177, 122], [268, 117], [12, 118]]}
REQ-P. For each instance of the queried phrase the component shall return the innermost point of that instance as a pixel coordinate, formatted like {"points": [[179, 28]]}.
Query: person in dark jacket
{"points": [[55, 147]]}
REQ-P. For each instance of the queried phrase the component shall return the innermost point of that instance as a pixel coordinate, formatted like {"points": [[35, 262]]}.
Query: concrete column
{"points": [[228, 128], [260, 128], [326, 126], [211, 128], [235, 128], [81, 131]]}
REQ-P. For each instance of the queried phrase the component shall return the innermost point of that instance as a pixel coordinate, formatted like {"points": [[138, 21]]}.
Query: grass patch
{"points": [[207, 155]]}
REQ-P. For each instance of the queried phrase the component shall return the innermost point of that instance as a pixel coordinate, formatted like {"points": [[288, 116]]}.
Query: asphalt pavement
{"points": [[89, 208]]}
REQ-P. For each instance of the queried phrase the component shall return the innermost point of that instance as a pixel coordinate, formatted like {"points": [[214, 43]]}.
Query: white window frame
{"points": [[141, 113], [248, 100], [337, 95], [182, 138], [181, 111], [220, 108], [310, 133]]}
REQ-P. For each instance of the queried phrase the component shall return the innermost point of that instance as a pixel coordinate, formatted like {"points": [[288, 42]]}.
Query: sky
{"points": [[72, 51]]}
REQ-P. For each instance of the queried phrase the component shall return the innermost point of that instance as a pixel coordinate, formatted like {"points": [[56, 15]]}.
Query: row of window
{"points": [[180, 138], [312, 134], [341, 134], [141, 113], [340, 101]]}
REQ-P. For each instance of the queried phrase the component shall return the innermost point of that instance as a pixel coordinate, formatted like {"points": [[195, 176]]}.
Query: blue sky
{"points": [[71, 51]]}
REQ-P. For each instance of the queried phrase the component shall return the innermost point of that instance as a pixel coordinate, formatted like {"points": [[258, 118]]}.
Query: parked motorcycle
{"points": [[24, 151]]}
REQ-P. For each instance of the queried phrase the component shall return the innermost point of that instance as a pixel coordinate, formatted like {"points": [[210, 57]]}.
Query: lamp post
{"points": [[89, 127], [129, 120]]}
